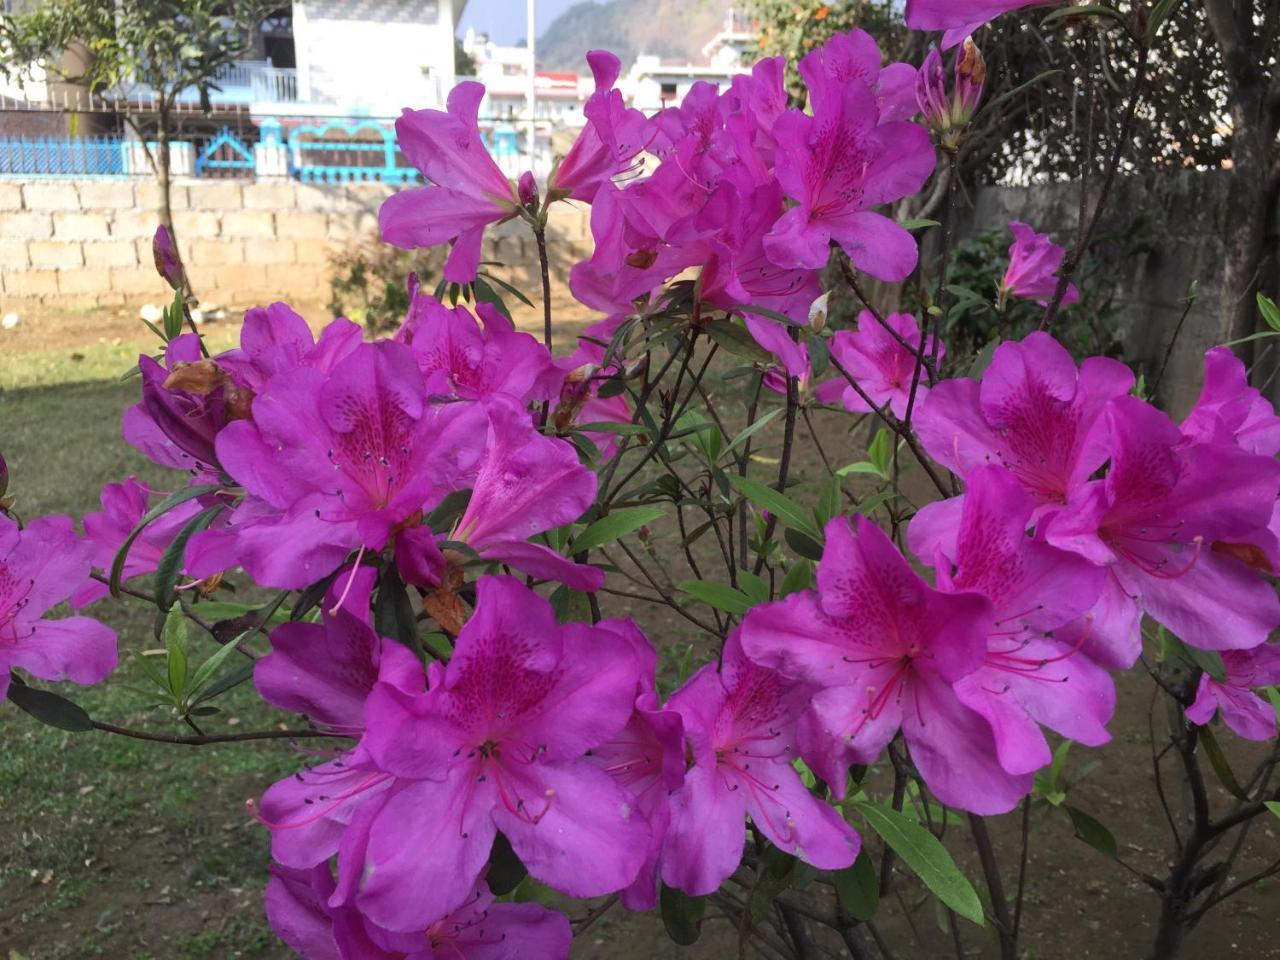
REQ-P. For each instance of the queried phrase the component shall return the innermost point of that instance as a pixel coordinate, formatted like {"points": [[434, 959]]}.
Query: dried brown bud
{"points": [[201, 377]]}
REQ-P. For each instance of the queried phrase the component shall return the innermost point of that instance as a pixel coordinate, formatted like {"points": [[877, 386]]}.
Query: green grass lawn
{"points": [[112, 847]]}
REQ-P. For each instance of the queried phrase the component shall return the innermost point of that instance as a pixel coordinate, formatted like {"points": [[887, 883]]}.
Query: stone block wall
{"points": [[87, 243]]}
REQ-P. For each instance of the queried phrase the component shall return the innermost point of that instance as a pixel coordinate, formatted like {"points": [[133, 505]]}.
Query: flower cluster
{"points": [[410, 478]]}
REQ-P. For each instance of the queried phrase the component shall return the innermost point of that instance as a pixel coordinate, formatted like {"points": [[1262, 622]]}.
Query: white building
{"points": [[505, 73], [652, 84]]}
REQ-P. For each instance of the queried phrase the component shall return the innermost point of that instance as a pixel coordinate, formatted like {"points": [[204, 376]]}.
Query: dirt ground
{"points": [[139, 890]]}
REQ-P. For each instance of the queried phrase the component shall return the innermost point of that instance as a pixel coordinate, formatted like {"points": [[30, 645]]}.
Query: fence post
{"points": [[270, 155]]}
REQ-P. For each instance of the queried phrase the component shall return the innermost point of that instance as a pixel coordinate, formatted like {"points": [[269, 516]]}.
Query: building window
{"points": [[668, 91]]}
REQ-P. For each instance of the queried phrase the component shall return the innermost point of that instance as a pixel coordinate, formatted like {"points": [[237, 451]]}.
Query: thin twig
{"points": [[205, 740]]}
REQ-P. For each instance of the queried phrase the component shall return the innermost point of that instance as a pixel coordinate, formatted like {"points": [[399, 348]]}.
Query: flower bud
{"points": [[971, 75], [168, 265], [949, 115], [818, 314], [931, 91], [528, 190]]}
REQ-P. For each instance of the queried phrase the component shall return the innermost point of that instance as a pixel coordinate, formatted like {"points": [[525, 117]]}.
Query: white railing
{"points": [[257, 80]]}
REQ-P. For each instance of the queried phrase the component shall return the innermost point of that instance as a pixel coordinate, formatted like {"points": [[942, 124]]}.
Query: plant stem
{"points": [[205, 740], [995, 887]]}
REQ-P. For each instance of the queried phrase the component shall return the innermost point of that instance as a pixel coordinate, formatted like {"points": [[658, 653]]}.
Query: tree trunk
{"points": [[1249, 202]]}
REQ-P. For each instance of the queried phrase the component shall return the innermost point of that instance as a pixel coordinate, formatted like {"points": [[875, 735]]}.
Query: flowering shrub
{"points": [[446, 513]]}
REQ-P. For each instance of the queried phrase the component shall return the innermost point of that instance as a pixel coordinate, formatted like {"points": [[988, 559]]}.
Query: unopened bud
{"points": [[527, 190], [949, 114], [971, 76], [168, 264], [818, 314]]}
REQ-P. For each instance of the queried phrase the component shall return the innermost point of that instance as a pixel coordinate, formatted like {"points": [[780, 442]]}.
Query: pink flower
{"points": [[123, 506], [276, 339], [498, 742], [462, 359], [1242, 710], [740, 721], [299, 908], [1158, 518], [959, 18], [948, 115], [1231, 411], [838, 164], [466, 191], [1029, 676], [40, 566], [1034, 261], [339, 461], [1034, 413], [526, 484], [882, 366], [885, 652], [854, 57], [614, 134]]}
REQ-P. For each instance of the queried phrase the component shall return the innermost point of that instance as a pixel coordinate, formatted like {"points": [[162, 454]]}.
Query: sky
{"points": [[504, 20]]}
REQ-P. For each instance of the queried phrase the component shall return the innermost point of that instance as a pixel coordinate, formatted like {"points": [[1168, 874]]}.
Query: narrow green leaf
{"points": [[227, 681], [486, 294], [49, 708], [803, 544], [170, 567], [175, 645], [738, 341], [159, 510], [862, 466], [613, 526], [754, 428], [918, 224], [753, 586], [1221, 766], [204, 673], [857, 888], [1270, 312], [681, 915], [505, 868], [799, 576], [880, 451], [1092, 832], [393, 614], [928, 858], [1087, 10], [765, 312], [514, 291], [776, 503], [777, 869], [1273, 806], [718, 595]]}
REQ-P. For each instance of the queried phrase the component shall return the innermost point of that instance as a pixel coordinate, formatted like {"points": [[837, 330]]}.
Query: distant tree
{"points": [[165, 46], [464, 65]]}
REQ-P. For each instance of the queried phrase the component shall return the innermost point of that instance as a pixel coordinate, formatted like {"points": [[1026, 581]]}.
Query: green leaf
{"points": [[393, 614], [880, 451], [159, 510], [1092, 832], [718, 595], [1221, 766], [776, 872], [226, 682], [928, 858], [776, 503], [774, 315], [175, 645], [1270, 312], [514, 291], [830, 500], [982, 360], [862, 466], [1273, 806], [486, 294], [918, 224], [754, 428], [799, 576], [49, 708], [1088, 10], [857, 889], [613, 526], [505, 868], [753, 586], [803, 544], [1210, 661], [737, 341], [681, 915], [204, 673], [170, 566]]}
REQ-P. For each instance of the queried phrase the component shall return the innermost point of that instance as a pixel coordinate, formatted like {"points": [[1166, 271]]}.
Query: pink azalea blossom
{"points": [[123, 506], [1034, 262], [527, 484], [498, 742], [466, 360], [466, 190], [41, 565], [298, 906], [168, 264], [959, 18], [1029, 677], [612, 137], [277, 339], [1248, 714], [885, 651], [647, 759], [740, 721], [1231, 411], [339, 461], [880, 364], [1034, 413], [174, 427], [838, 164], [326, 670], [1159, 520], [854, 57]]}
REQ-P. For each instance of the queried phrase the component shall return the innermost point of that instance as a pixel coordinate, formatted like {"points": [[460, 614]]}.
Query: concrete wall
{"points": [[85, 243]]}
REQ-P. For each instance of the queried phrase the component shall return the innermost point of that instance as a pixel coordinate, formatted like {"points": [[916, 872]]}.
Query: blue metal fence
{"points": [[62, 157], [345, 152], [225, 156]]}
